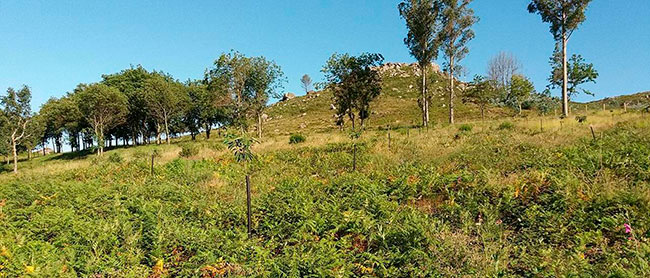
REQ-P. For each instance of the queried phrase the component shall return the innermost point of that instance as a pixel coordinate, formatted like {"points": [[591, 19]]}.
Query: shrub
{"points": [[297, 138], [465, 128], [506, 125], [115, 158], [189, 150], [581, 119]]}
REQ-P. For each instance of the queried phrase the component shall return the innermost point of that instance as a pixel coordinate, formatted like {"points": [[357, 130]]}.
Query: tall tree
{"points": [[422, 20], [578, 72], [18, 115], [306, 82], [354, 84], [228, 77], [103, 107], [164, 97], [265, 78], [481, 91], [36, 128], [520, 88], [564, 16], [457, 20]]}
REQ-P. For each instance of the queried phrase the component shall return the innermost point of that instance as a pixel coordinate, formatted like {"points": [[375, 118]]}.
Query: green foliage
{"points": [[481, 92], [465, 128], [578, 72], [354, 84], [506, 126], [240, 146], [563, 16], [189, 150], [115, 157], [536, 210], [297, 138]]}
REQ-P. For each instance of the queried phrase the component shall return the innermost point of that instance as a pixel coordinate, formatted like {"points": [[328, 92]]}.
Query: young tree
{"points": [[564, 16], [103, 107], [306, 82], [578, 72], [520, 88], [264, 79], [481, 91], [228, 78], [18, 115], [164, 97], [457, 19], [422, 21], [354, 84], [240, 146]]}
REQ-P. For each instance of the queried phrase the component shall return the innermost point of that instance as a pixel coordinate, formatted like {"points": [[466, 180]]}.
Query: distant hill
{"points": [[397, 105]]}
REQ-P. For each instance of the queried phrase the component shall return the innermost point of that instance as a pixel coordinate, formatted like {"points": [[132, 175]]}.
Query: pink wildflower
{"points": [[628, 228]]}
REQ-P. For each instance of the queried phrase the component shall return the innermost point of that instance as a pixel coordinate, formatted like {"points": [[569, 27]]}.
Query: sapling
{"points": [[240, 146]]}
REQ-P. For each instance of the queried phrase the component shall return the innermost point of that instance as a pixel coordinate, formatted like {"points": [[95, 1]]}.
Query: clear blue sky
{"points": [[54, 45]]}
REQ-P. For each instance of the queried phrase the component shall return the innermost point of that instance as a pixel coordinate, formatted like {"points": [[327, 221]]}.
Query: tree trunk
{"points": [[519, 105], [15, 153], [208, 128], [259, 125], [482, 113], [565, 77], [167, 130], [451, 90], [425, 112]]}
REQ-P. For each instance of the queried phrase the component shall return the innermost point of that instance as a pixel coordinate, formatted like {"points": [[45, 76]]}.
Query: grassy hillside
{"points": [[396, 106], [495, 198]]}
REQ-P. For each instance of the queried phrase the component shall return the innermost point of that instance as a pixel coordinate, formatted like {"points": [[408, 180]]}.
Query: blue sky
{"points": [[54, 45]]}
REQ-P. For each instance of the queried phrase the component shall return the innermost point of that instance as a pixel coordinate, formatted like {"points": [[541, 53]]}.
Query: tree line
{"points": [[137, 106]]}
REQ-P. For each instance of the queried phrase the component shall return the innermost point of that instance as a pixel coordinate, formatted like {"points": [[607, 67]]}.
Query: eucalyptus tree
{"points": [[164, 98], [457, 20], [36, 129], [228, 77], [103, 107], [423, 23], [18, 115], [264, 80], [578, 72], [354, 84], [564, 16]]}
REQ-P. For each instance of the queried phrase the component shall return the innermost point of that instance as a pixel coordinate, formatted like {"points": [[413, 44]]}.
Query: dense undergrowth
{"points": [[494, 206]]}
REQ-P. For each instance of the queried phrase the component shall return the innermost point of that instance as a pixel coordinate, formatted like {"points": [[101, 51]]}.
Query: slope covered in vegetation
{"points": [[493, 198]]}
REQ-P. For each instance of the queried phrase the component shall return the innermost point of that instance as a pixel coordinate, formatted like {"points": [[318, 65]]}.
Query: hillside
{"points": [[495, 198], [396, 106]]}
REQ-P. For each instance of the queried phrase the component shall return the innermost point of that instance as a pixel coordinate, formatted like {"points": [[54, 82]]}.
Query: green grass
{"points": [[493, 202]]}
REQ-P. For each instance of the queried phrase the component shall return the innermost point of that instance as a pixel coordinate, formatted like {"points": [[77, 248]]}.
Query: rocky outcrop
{"points": [[403, 69], [288, 96]]}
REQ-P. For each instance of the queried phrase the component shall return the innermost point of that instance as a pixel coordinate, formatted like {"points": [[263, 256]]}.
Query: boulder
{"points": [[288, 96]]}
